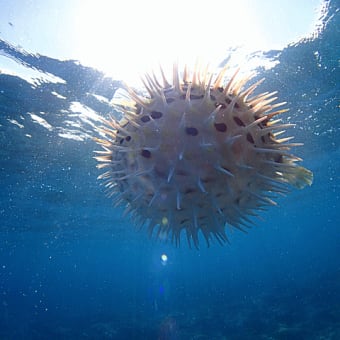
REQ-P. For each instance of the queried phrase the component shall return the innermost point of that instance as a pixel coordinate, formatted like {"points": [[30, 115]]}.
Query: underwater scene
{"points": [[166, 252]]}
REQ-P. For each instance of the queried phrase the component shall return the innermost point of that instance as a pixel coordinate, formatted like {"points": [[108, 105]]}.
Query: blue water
{"points": [[71, 267]]}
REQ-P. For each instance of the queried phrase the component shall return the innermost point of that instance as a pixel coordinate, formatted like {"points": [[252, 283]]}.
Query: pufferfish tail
{"points": [[299, 177]]}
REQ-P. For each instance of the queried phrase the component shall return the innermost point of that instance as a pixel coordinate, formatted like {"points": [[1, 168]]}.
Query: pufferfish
{"points": [[197, 155]]}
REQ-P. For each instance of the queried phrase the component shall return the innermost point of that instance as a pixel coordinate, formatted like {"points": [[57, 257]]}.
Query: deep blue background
{"points": [[72, 267]]}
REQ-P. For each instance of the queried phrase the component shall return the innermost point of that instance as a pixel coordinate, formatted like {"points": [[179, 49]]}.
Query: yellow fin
{"points": [[300, 178]]}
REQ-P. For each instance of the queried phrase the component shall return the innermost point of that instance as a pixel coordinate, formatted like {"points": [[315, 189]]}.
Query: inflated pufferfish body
{"points": [[197, 154]]}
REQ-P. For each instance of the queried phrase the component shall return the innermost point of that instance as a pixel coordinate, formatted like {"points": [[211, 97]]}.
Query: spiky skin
{"points": [[197, 154]]}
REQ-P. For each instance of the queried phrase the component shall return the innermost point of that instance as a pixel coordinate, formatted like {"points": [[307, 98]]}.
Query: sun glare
{"points": [[127, 38]]}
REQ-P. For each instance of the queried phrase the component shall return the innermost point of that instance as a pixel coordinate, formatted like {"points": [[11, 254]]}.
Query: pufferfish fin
{"points": [[300, 177]]}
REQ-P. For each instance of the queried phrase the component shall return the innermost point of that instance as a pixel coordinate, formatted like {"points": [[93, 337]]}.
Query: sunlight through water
{"points": [[130, 38]]}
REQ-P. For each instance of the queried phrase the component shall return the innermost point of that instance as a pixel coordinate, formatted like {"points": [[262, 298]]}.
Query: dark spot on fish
{"points": [[184, 220], [250, 138], [138, 109], [145, 119], [189, 191], [219, 194], [207, 180], [263, 123], [223, 106], [228, 100], [156, 114], [121, 141], [238, 121], [170, 100], [237, 105], [279, 159], [237, 201], [212, 97], [220, 89], [196, 96], [146, 153], [221, 127], [128, 138], [191, 131]]}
